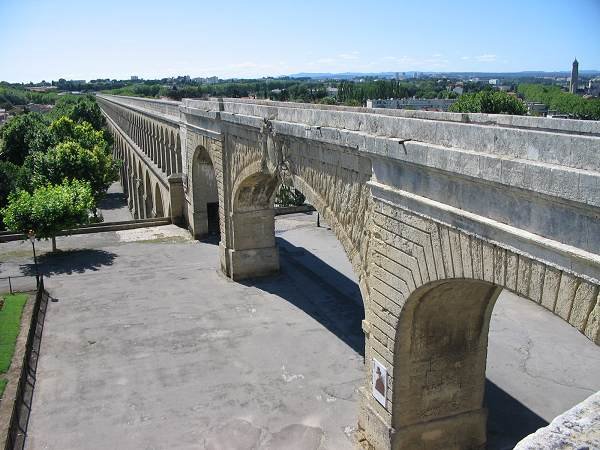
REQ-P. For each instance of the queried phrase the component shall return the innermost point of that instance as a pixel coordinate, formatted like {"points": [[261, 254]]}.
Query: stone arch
{"points": [[154, 143], [440, 362], [179, 167], [205, 195], [159, 208], [432, 292], [261, 188], [173, 153], [149, 203], [140, 191], [161, 140], [133, 192], [168, 150]]}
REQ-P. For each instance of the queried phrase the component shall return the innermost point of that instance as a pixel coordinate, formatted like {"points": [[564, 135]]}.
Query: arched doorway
{"points": [[205, 196]]}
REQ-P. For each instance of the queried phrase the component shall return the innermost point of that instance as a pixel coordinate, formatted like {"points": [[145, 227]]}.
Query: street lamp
{"points": [[31, 236]]}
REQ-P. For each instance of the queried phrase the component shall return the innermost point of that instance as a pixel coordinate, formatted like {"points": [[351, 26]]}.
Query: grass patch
{"points": [[10, 324]]}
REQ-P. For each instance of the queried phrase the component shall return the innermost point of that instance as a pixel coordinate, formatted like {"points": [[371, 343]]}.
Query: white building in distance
{"points": [[424, 104]]}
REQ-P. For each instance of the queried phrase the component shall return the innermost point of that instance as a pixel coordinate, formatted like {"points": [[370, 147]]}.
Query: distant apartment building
{"points": [[332, 91], [423, 104], [207, 80], [593, 87], [135, 78]]}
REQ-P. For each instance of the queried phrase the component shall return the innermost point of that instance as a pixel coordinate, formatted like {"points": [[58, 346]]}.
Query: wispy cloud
{"points": [[348, 56], [486, 57]]}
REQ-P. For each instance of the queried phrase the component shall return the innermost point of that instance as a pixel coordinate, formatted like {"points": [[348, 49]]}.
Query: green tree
{"points": [[564, 102], [50, 209], [22, 135], [79, 109], [65, 129], [287, 196], [489, 102], [70, 160]]}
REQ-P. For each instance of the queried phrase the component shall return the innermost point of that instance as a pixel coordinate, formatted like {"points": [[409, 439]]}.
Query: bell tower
{"points": [[574, 77]]}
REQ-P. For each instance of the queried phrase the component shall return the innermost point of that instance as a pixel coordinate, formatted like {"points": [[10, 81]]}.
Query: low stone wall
{"points": [[281, 210], [578, 428], [97, 228]]}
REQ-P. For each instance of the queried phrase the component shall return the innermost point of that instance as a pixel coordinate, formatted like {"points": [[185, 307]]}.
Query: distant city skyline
{"points": [[52, 39]]}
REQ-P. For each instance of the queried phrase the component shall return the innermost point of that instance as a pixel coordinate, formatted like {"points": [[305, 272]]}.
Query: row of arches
{"points": [[428, 289], [428, 299], [158, 140], [143, 190]]}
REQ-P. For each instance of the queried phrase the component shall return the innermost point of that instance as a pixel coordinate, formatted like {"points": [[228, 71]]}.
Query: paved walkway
{"points": [[114, 205], [150, 347]]}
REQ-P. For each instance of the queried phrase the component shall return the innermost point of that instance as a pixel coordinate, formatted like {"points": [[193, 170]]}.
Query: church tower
{"points": [[574, 77]]}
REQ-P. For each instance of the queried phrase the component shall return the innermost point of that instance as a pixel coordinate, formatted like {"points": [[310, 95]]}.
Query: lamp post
{"points": [[31, 236]]}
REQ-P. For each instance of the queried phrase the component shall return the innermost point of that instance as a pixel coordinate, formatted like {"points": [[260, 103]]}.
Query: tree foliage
{"points": [[489, 102], [22, 135], [11, 96], [287, 196], [49, 209], [72, 161], [79, 109], [65, 129], [564, 102], [36, 152]]}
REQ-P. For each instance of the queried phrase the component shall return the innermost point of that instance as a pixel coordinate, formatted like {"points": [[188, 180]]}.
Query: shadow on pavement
{"points": [[113, 200], [70, 261], [509, 420], [318, 289], [334, 301]]}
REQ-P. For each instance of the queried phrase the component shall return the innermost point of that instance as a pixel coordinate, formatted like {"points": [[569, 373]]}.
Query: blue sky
{"points": [[48, 39]]}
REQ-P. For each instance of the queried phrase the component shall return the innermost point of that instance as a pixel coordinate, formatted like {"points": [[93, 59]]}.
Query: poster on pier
{"points": [[379, 382]]}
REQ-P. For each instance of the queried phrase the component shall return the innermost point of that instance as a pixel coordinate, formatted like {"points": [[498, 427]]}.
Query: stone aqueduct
{"points": [[438, 212]]}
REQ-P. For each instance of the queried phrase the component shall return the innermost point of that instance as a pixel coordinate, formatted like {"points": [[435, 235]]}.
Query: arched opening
{"points": [[205, 196], [161, 146], [173, 154], [316, 279], [148, 199], [159, 203], [439, 373], [168, 150], [445, 392], [140, 192], [178, 154]]}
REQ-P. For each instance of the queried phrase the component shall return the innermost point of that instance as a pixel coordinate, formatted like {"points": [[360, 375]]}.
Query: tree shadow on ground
{"points": [[316, 288], [509, 420], [70, 261], [113, 200]]}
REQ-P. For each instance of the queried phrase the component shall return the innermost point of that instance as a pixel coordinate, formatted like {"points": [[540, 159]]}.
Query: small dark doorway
{"points": [[212, 212]]}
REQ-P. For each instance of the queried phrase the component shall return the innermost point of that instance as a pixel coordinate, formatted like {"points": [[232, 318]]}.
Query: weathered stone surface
{"points": [[436, 212], [576, 429]]}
